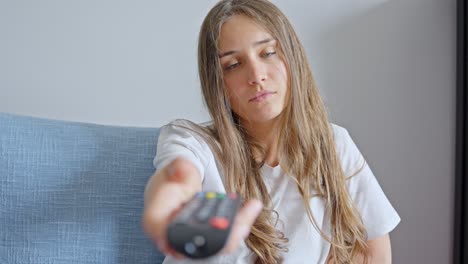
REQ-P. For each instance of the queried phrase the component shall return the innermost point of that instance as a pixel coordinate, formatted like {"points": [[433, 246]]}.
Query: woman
{"points": [[311, 196]]}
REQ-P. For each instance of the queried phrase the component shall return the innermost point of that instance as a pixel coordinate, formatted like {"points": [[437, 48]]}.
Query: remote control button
{"points": [[233, 195], [221, 195], [190, 248], [185, 214], [199, 241], [206, 210], [200, 195], [219, 222], [225, 208], [210, 195]]}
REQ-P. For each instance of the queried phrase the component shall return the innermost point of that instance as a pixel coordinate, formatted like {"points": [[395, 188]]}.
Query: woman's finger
{"points": [[242, 225]]}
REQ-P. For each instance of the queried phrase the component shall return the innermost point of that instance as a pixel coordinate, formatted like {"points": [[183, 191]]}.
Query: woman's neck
{"points": [[267, 134]]}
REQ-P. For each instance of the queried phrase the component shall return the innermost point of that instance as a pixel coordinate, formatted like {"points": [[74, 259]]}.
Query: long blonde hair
{"points": [[306, 146]]}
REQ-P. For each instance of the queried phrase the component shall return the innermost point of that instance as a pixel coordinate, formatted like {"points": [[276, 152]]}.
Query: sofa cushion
{"points": [[73, 192]]}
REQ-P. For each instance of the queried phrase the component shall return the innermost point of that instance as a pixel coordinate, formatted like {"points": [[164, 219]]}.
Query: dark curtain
{"points": [[461, 180]]}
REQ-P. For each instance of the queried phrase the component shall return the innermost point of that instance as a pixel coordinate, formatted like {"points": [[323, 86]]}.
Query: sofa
{"points": [[72, 192]]}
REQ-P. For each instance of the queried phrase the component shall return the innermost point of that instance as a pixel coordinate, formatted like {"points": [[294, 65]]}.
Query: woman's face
{"points": [[255, 76]]}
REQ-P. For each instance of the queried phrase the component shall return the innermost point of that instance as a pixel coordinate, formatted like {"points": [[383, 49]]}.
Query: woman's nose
{"points": [[257, 73]]}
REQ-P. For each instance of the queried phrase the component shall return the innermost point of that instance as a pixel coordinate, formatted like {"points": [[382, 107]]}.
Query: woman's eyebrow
{"points": [[256, 43], [263, 41]]}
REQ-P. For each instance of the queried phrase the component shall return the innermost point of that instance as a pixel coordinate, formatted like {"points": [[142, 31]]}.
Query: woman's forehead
{"points": [[240, 31]]}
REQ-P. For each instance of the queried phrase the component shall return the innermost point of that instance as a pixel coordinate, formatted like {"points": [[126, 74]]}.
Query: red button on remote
{"points": [[219, 222]]}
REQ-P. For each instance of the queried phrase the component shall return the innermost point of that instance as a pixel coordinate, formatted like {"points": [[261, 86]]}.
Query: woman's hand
{"points": [[166, 192]]}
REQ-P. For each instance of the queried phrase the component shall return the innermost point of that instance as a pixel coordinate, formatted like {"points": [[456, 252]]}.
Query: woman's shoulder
{"points": [[185, 124], [195, 136], [184, 128], [349, 154], [182, 138], [341, 136]]}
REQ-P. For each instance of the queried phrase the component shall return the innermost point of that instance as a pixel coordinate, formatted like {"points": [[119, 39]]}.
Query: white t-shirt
{"points": [[305, 243]]}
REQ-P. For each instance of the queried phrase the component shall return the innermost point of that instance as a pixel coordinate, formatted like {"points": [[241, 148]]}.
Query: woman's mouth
{"points": [[261, 96]]}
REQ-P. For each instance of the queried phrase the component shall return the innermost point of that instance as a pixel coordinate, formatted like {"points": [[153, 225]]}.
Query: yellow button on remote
{"points": [[210, 195]]}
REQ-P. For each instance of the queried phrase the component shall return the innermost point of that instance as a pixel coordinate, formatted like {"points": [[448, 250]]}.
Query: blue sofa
{"points": [[73, 192]]}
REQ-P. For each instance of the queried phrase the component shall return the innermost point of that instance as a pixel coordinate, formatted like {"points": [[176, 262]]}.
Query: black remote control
{"points": [[202, 227]]}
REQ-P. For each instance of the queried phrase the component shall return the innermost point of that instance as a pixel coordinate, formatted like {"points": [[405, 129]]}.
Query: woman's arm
{"points": [[380, 251]]}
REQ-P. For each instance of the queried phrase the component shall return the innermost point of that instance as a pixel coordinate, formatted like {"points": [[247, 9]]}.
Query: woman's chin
{"points": [[265, 118]]}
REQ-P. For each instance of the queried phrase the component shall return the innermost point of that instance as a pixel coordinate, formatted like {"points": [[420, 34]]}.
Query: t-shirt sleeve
{"points": [[378, 215], [175, 141]]}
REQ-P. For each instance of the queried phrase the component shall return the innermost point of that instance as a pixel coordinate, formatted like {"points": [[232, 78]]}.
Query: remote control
{"points": [[201, 228]]}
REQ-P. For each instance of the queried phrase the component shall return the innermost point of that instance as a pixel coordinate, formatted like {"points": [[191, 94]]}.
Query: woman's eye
{"points": [[268, 54], [231, 66]]}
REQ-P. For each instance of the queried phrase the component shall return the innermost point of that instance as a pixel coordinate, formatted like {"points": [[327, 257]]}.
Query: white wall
{"points": [[385, 68]]}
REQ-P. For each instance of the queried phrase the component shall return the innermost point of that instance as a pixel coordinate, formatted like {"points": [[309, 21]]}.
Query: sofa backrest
{"points": [[73, 192]]}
